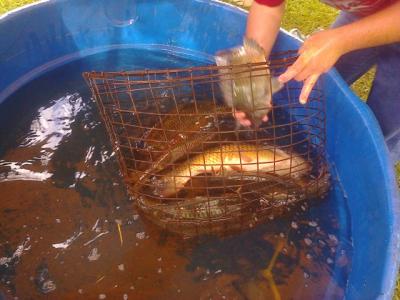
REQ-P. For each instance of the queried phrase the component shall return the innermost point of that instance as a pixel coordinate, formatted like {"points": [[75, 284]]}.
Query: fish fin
{"points": [[237, 168]]}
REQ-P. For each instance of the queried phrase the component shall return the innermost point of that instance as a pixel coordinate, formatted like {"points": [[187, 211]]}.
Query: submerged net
{"points": [[190, 167]]}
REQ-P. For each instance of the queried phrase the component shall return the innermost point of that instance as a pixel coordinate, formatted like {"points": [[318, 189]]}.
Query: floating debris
{"points": [[94, 228], [80, 291], [119, 230], [135, 217], [313, 224], [100, 279], [121, 267], [102, 296], [42, 279], [94, 255], [140, 235], [89, 153], [159, 271], [333, 238], [329, 260], [125, 297], [69, 241], [308, 241], [95, 238], [58, 221], [17, 254], [294, 225]]}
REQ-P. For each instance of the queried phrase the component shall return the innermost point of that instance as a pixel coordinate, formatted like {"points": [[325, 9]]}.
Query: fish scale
{"points": [[233, 158], [177, 134]]}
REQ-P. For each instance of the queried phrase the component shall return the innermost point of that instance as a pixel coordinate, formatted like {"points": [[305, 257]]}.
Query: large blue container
{"points": [[48, 34]]}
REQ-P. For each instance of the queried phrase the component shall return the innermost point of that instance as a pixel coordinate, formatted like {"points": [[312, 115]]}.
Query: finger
{"points": [[303, 75], [307, 88], [293, 70], [239, 114], [245, 122], [241, 118], [301, 49]]}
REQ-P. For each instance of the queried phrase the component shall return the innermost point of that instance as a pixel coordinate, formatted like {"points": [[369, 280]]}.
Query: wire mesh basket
{"points": [[190, 167]]}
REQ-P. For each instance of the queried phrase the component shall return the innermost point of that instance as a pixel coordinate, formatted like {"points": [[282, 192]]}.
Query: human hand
{"points": [[258, 104], [241, 117], [316, 56]]}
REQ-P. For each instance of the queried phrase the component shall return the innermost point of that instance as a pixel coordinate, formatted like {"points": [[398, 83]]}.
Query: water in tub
{"points": [[68, 229]]}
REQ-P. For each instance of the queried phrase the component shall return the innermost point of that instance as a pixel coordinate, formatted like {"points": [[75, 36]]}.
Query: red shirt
{"points": [[357, 7]]}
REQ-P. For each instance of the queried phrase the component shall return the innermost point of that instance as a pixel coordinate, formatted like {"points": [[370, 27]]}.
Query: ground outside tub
{"points": [[47, 35]]}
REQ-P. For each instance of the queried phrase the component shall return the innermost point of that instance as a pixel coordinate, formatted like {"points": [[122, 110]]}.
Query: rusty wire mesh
{"points": [[186, 162]]}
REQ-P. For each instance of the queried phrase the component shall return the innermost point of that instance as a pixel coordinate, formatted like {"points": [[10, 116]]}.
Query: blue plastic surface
{"points": [[44, 36]]}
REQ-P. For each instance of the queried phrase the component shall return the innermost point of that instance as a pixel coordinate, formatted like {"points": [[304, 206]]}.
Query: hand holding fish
{"points": [[246, 83], [317, 55], [242, 118]]}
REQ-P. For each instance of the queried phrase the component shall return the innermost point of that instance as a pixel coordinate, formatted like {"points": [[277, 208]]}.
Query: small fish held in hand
{"points": [[245, 88]]}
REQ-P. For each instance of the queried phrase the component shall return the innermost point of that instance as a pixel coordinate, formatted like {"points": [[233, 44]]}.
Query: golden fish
{"points": [[247, 89], [182, 130], [233, 158]]}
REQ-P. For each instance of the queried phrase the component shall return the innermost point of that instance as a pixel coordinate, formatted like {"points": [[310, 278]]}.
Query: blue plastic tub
{"points": [[49, 34]]}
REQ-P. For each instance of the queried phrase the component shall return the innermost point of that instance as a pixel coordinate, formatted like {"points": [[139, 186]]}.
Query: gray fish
{"points": [[245, 88]]}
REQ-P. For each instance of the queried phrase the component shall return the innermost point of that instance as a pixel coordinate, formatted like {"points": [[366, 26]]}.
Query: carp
{"points": [[233, 158]]}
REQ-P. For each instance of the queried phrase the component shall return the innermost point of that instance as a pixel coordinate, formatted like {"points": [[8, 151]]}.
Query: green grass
{"points": [[6, 5], [307, 16]]}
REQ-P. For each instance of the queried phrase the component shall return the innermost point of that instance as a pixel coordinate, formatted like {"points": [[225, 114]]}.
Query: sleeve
{"points": [[269, 2]]}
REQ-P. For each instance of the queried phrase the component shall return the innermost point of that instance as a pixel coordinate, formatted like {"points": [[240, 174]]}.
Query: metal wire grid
{"points": [[191, 169]]}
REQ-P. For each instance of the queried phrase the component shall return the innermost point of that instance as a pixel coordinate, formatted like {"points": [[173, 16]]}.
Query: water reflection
{"points": [[51, 125], [122, 14]]}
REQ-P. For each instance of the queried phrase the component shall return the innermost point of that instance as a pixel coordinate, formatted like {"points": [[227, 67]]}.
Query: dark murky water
{"points": [[68, 230]]}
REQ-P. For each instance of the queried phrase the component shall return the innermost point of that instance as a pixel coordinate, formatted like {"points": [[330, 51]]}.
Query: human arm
{"points": [[263, 24], [320, 52]]}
